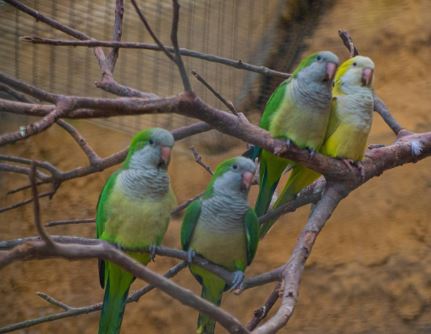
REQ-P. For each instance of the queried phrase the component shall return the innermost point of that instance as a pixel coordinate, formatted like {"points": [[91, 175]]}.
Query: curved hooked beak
{"points": [[165, 155], [247, 179], [331, 68], [367, 76]]}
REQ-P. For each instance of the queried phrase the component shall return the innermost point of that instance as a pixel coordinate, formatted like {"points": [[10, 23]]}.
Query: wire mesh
{"points": [[233, 29]]}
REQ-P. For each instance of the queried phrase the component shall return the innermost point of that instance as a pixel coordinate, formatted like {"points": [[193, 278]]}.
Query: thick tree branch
{"points": [[295, 266], [107, 252]]}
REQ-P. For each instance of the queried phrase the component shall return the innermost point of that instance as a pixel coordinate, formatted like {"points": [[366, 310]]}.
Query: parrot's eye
{"points": [[151, 142], [235, 166], [319, 58], [354, 64]]}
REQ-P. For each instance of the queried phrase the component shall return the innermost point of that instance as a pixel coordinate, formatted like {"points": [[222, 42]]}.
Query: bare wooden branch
{"points": [[235, 63], [107, 252], [227, 103], [116, 36], [92, 156], [36, 209], [263, 311], [75, 311], [70, 222], [174, 39], [199, 161], [348, 42], [151, 32], [295, 266]]}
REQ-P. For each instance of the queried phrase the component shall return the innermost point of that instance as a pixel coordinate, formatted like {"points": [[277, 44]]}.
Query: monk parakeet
{"points": [[352, 110], [133, 212], [349, 123], [298, 111], [222, 227]]}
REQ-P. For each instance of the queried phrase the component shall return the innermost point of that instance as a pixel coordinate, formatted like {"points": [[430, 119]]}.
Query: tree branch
{"points": [[235, 63], [75, 311], [107, 252]]}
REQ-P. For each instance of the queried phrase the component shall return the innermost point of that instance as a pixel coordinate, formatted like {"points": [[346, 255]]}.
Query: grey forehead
{"points": [[246, 164], [329, 56], [163, 137]]}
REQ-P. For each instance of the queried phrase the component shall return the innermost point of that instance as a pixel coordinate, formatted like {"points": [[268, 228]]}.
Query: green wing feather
{"points": [[273, 104], [252, 234], [101, 218], [190, 220], [334, 120]]}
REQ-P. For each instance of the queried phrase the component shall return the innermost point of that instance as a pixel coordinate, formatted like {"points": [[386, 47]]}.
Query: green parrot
{"points": [[222, 227], [133, 212], [298, 111], [352, 110], [349, 122]]}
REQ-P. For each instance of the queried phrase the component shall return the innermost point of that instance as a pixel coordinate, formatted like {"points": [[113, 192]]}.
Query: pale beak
{"points": [[367, 76], [165, 154], [247, 179], [330, 71]]}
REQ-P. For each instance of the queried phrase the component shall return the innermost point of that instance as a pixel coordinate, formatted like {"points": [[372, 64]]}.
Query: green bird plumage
{"points": [[297, 111], [133, 212], [349, 123], [223, 228]]}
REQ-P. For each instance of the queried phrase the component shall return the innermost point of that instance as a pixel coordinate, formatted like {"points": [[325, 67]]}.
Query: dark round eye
{"points": [[151, 142], [319, 58], [235, 166], [354, 64]]}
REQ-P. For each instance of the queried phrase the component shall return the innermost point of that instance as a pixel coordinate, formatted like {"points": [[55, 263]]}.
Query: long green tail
{"points": [[212, 290], [206, 325], [299, 178], [271, 168], [117, 284]]}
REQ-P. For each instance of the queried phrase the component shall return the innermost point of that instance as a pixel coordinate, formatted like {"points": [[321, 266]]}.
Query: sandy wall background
{"points": [[370, 270]]}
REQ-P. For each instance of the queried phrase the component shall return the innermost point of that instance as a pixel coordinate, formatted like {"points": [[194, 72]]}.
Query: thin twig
{"points": [[70, 222], [75, 311], [199, 161], [263, 311], [348, 42], [151, 32], [174, 39], [36, 209], [53, 301], [227, 103], [235, 63], [116, 36], [92, 156]]}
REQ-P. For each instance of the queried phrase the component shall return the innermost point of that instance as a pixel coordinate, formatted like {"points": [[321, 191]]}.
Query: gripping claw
{"points": [[190, 255], [238, 277], [312, 152], [152, 250]]}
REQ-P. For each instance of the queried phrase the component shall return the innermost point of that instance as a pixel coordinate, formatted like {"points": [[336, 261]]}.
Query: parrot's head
{"points": [[150, 148], [233, 176], [356, 72], [318, 67]]}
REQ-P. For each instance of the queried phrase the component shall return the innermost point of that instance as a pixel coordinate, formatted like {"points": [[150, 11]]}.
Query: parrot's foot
{"points": [[311, 151], [238, 278], [351, 164], [288, 142], [190, 255], [153, 251], [373, 146]]}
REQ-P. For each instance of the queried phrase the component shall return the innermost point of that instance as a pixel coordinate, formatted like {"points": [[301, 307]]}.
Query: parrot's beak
{"points": [[247, 179], [330, 71], [367, 76], [165, 155]]}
